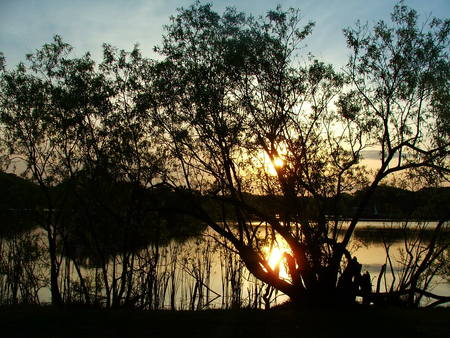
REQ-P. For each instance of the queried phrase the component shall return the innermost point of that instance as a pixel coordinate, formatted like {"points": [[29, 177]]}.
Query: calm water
{"points": [[202, 274]]}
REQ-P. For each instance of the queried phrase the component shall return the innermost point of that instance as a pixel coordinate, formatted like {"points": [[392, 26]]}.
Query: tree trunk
{"points": [[54, 270]]}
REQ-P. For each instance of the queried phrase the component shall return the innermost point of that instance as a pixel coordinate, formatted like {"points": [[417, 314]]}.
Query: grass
{"points": [[49, 322]]}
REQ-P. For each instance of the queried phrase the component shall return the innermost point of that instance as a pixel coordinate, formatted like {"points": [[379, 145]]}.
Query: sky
{"points": [[25, 25]]}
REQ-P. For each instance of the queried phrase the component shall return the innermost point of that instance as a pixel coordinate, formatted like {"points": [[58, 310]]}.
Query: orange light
{"points": [[278, 162], [275, 259]]}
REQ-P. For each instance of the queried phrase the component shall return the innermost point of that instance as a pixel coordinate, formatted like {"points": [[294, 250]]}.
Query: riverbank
{"points": [[46, 321]]}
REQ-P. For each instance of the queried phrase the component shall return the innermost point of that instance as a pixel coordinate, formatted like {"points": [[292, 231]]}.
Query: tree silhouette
{"points": [[232, 101], [231, 111], [88, 142]]}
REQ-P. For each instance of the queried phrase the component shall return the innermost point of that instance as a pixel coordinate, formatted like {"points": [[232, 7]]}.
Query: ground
{"points": [[49, 322]]}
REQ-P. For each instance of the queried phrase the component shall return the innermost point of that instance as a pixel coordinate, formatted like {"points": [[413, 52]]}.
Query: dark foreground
{"points": [[79, 322]]}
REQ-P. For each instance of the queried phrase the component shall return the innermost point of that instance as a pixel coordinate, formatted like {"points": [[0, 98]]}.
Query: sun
{"points": [[273, 165], [278, 162]]}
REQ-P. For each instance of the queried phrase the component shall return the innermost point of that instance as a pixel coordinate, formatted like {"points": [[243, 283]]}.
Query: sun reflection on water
{"points": [[276, 260]]}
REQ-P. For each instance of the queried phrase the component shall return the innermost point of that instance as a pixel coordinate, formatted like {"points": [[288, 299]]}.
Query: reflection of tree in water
{"points": [[23, 270], [128, 152]]}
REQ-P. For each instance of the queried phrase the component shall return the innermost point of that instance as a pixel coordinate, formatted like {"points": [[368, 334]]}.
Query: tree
{"points": [[239, 116], [47, 107], [399, 76], [119, 160], [4, 159], [88, 143], [231, 110], [29, 111]]}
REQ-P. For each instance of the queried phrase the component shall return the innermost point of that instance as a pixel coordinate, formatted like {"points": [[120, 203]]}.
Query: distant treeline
{"points": [[20, 198], [108, 226], [387, 202], [118, 215], [371, 235]]}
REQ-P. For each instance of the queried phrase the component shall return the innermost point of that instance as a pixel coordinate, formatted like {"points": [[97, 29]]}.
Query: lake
{"points": [[200, 273]]}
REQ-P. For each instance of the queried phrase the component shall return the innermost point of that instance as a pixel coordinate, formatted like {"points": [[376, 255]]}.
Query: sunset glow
{"points": [[227, 163], [274, 256], [278, 163], [276, 261], [273, 166]]}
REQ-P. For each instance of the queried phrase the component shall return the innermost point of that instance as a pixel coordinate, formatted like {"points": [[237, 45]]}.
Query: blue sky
{"points": [[25, 25]]}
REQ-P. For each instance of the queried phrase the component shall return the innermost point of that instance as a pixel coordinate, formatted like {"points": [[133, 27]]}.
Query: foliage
{"points": [[236, 104], [88, 143], [127, 150], [400, 78]]}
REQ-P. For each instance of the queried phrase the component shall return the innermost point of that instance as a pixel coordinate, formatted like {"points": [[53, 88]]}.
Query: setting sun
{"points": [[278, 162], [272, 166], [225, 159], [272, 163]]}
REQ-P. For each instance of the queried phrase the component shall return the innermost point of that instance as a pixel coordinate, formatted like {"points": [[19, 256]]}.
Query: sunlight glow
{"points": [[278, 162], [269, 165], [272, 166], [275, 258]]}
